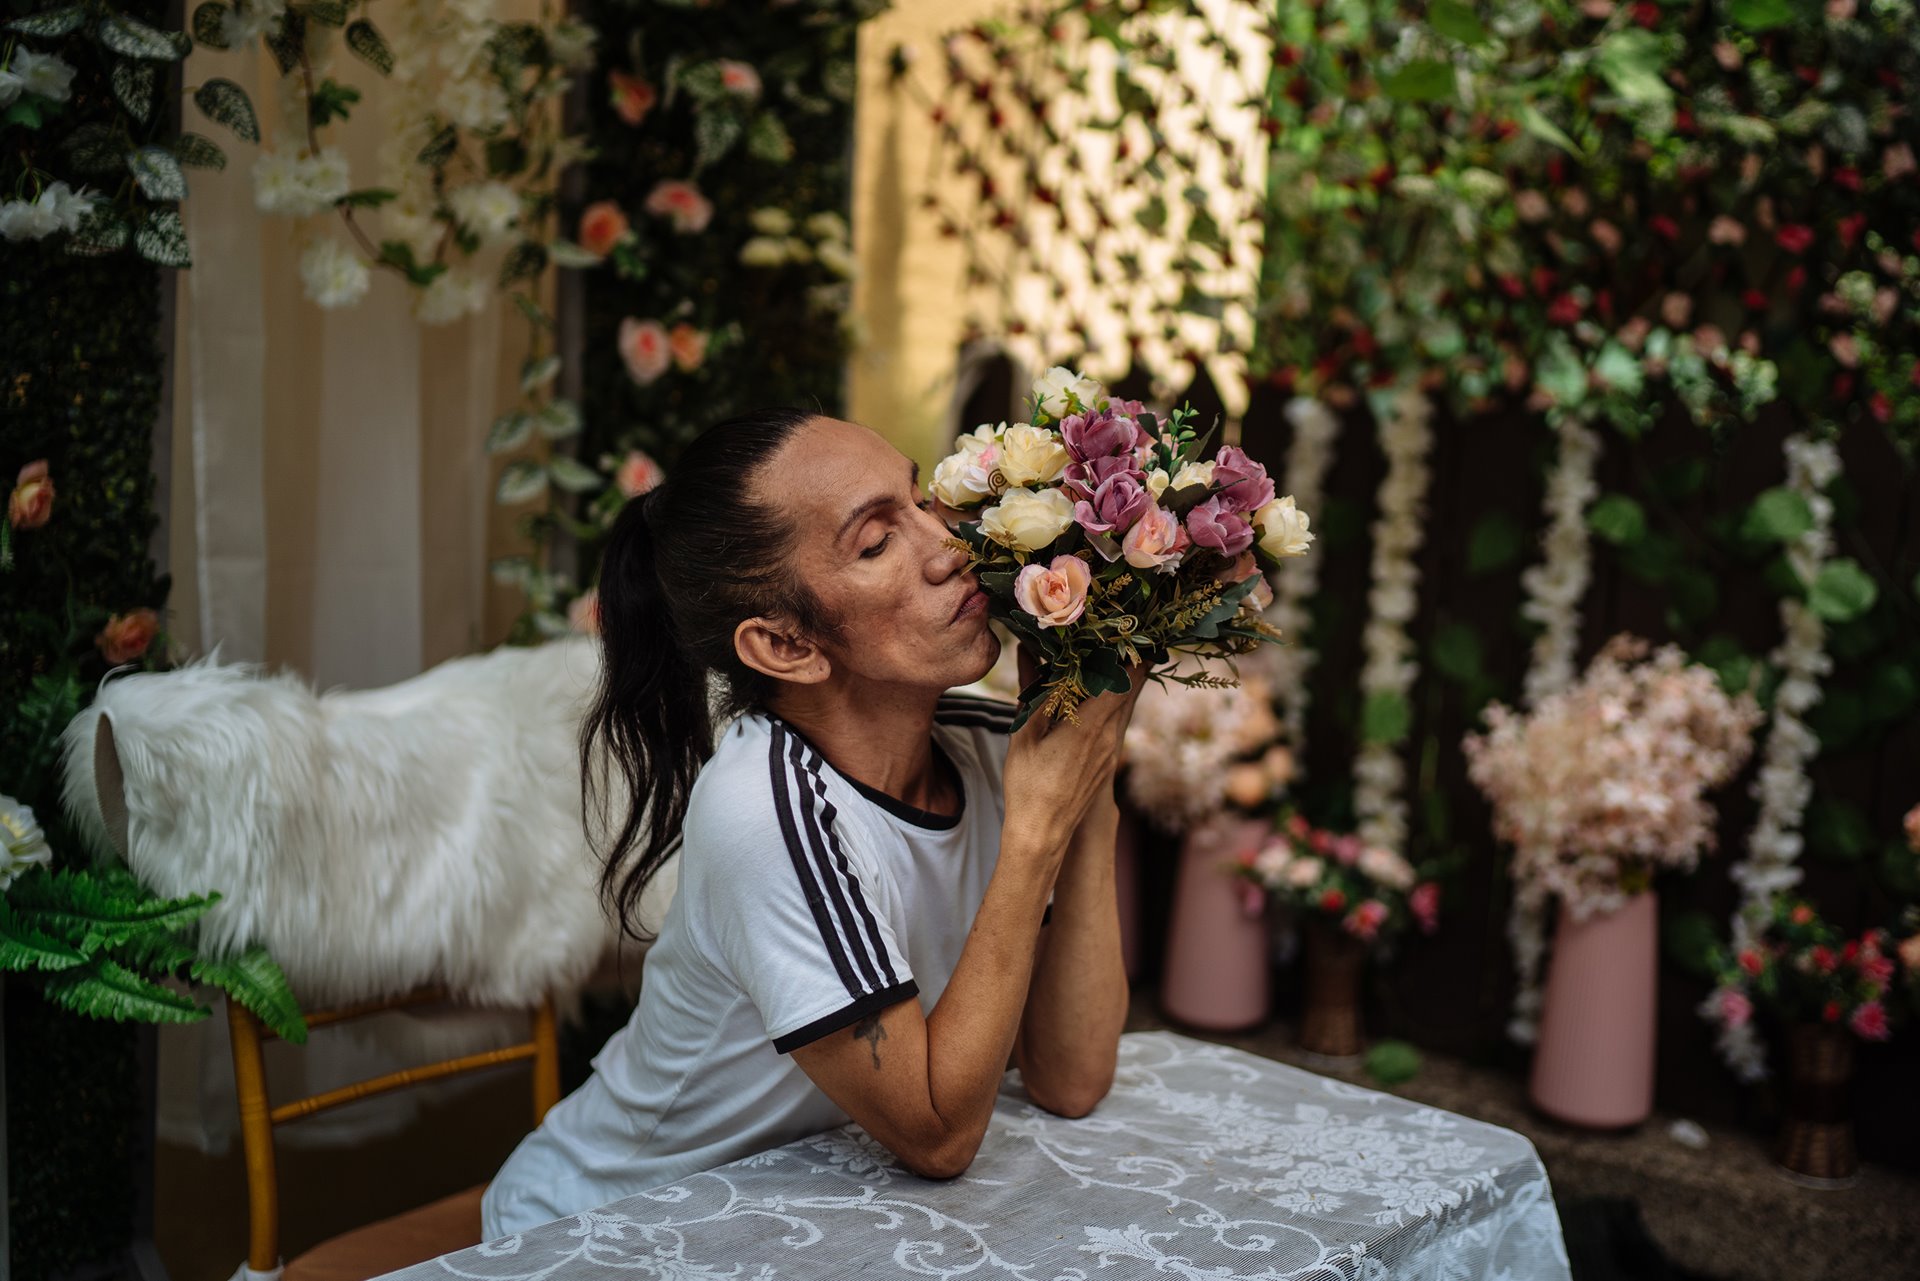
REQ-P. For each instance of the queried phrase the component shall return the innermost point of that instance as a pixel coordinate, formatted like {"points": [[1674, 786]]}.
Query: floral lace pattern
{"points": [[1203, 1163]]}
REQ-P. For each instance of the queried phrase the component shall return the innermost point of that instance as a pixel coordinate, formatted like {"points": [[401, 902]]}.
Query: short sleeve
{"points": [[791, 900]]}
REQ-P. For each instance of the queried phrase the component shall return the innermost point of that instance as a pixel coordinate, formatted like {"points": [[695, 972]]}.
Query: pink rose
{"points": [[1100, 435], [1911, 822], [688, 346], [1364, 921], [31, 504], [631, 96], [645, 348], [1243, 483], [1120, 500], [602, 226], [636, 474], [1347, 850], [1869, 1022], [1423, 902], [1726, 231], [1845, 349], [1606, 235], [1735, 1008], [583, 615], [1156, 541], [1054, 594], [126, 636], [1216, 527], [1082, 479], [739, 78], [1910, 953], [683, 203]]}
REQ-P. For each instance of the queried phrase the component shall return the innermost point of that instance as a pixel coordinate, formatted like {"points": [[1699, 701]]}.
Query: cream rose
{"points": [[1054, 594], [1057, 390], [1283, 529], [1157, 482], [1386, 867], [1193, 474], [1031, 455], [965, 476], [1027, 520]]}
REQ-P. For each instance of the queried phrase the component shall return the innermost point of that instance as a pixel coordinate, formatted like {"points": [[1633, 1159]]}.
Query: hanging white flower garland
{"points": [[1554, 589], [1309, 457], [1379, 796], [1782, 786]]}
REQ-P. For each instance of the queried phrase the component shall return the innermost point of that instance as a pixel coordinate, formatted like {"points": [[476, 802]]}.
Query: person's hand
{"points": [[1057, 770]]}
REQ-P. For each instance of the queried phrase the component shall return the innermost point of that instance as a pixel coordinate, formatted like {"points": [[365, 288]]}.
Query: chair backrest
{"points": [[259, 1115]]}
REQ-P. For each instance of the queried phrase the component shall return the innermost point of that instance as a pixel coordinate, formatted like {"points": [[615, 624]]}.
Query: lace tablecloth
{"points": [[1203, 1162]]}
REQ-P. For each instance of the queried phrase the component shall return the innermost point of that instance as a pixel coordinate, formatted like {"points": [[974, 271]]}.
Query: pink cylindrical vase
{"points": [[1216, 974], [1126, 878], [1593, 1065]]}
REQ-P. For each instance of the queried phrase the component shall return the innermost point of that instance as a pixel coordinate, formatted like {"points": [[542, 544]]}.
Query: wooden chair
{"points": [[449, 1224]]}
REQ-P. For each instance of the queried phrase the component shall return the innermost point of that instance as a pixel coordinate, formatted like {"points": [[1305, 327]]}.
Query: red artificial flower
{"points": [[1849, 229], [1846, 176], [1754, 300], [1842, 386], [1869, 1022], [1823, 959], [1880, 407], [1914, 376], [1876, 969], [1796, 279], [1831, 1013], [1564, 310], [1543, 278], [1801, 914], [1647, 14], [1664, 227], [1794, 237], [1364, 344], [1332, 901], [1752, 962], [1850, 951], [1511, 286]]}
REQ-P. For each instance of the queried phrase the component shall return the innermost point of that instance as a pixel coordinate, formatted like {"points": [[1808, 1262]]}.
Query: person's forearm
{"points": [[971, 1031], [1077, 1002]]}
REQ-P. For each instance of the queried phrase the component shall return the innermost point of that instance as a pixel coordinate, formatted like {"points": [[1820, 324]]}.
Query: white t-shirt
{"points": [[807, 901]]}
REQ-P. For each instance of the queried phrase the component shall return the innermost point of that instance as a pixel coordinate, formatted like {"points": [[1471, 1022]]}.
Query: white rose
{"points": [[43, 74], [1386, 867], [771, 221], [1283, 529], [1027, 520], [333, 275], [1193, 474], [22, 844], [950, 482], [1158, 481], [1032, 455], [1055, 390], [487, 209]]}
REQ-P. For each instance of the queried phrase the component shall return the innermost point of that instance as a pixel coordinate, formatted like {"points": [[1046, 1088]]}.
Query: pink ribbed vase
{"points": [[1216, 975], [1593, 1065]]}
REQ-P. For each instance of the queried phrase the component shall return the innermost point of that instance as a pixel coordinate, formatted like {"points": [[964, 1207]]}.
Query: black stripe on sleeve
{"points": [[816, 901], [808, 783], [845, 1017], [874, 939]]}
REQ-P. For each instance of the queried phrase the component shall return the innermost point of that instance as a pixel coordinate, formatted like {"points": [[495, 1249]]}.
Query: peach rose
{"points": [[739, 78], [632, 97], [1054, 594], [636, 474], [1247, 786], [31, 505], [1156, 541], [683, 203], [126, 636], [603, 225], [645, 348], [583, 615], [688, 345]]}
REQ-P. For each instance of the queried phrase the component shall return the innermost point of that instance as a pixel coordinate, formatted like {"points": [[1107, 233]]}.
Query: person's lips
{"points": [[974, 602]]}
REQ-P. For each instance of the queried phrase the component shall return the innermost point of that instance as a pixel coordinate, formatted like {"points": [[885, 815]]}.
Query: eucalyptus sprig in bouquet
{"points": [[1105, 540]]}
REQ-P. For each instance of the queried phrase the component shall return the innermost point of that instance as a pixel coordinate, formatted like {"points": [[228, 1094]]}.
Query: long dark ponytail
{"points": [[684, 565]]}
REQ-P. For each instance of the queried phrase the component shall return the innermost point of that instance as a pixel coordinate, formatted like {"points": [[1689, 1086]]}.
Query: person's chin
{"points": [[989, 652]]}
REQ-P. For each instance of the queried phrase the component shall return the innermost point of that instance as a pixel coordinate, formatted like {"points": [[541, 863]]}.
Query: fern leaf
{"points": [[105, 989], [91, 911], [24, 948], [156, 952], [255, 980]]}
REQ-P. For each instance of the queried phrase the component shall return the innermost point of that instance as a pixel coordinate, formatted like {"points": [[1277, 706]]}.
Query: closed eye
{"points": [[877, 548]]}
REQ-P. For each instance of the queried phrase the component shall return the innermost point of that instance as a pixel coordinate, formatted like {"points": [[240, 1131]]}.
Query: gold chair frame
{"points": [[259, 1116]]}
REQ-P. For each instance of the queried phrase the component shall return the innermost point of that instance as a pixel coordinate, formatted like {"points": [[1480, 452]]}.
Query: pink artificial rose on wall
{"points": [[689, 347], [127, 636], [632, 97], [602, 226], [1055, 594], [739, 78], [683, 203], [636, 474], [31, 504], [645, 348]]}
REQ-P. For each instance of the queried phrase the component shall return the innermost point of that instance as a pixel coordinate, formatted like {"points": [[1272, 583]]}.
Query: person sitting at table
{"points": [[866, 862]]}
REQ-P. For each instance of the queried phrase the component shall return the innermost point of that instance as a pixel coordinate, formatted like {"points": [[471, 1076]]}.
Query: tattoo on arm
{"points": [[870, 1031]]}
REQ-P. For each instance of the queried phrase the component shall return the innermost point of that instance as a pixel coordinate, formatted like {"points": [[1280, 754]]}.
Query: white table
{"points": [[1204, 1162]]}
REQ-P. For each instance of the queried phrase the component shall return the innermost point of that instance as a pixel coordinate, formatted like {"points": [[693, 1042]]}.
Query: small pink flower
{"points": [[645, 348], [602, 226], [1531, 206], [1727, 54], [1676, 309], [1606, 235], [631, 96], [689, 347], [1364, 921], [1869, 1022], [583, 615], [636, 474], [1054, 594], [1423, 902], [1794, 237], [1156, 541], [1333, 900], [126, 636], [1897, 161], [31, 503], [1735, 1008], [1213, 526], [1727, 231], [1845, 349], [1347, 850], [739, 78], [683, 203]]}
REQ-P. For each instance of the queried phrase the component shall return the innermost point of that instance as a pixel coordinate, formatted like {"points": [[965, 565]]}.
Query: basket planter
{"points": [[1330, 1019], [1593, 1066], [1816, 1134]]}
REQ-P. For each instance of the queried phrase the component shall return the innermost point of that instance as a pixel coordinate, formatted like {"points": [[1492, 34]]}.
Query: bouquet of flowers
{"points": [[1103, 540], [1371, 893], [1799, 968], [1193, 750], [1604, 782]]}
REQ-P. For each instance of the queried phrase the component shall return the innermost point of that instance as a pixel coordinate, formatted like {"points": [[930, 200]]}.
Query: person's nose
{"points": [[943, 559]]}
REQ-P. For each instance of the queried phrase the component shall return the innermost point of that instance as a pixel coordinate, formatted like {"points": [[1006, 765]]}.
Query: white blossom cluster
{"points": [[57, 208], [1182, 740], [1554, 589], [299, 184], [41, 74], [1379, 794], [1309, 456]]}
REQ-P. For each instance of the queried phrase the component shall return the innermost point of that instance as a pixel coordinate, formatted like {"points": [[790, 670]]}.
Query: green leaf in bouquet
{"points": [[133, 87], [573, 475], [1208, 625], [157, 173], [22, 947], [50, 24], [257, 982], [226, 103], [520, 482], [105, 989], [198, 152], [1457, 21], [1386, 719], [162, 240], [131, 38], [210, 24], [1842, 591], [1102, 673], [366, 41]]}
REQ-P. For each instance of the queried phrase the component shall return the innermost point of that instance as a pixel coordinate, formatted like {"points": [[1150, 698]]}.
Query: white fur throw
{"points": [[373, 841]]}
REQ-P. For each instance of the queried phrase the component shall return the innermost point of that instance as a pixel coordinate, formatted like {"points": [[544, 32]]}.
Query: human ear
{"points": [[774, 648]]}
